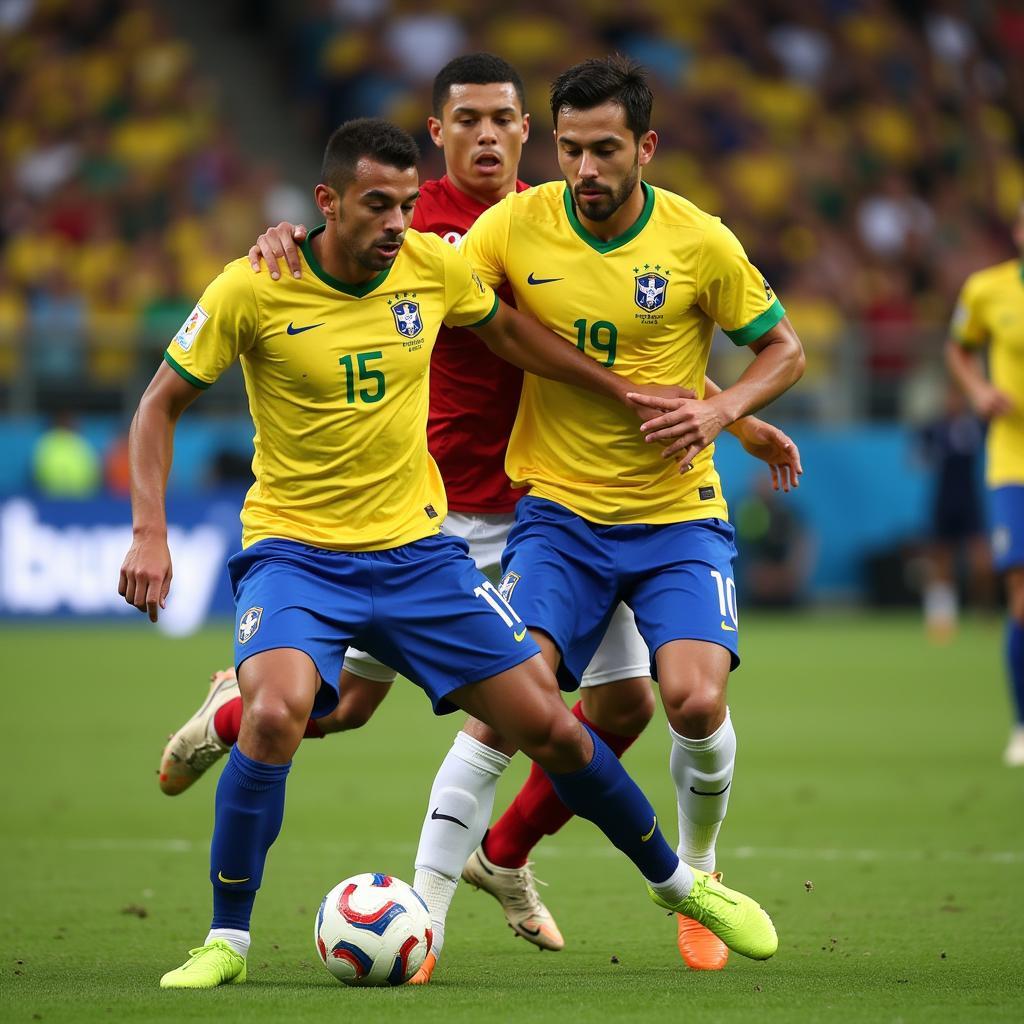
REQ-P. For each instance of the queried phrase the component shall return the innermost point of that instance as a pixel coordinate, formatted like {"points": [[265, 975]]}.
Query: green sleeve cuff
{"points": [[490, 316], [184, 374], [759, 325], [967, 342]]}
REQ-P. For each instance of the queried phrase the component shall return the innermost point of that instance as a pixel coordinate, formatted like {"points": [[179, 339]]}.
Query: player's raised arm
{"points": [[146, 571], [279, 243]]}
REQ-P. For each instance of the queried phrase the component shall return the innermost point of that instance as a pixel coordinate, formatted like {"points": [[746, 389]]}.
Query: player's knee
{"points": [[624, 708], [698, 713], [1015, 605], [273, 718], [558, 743]]}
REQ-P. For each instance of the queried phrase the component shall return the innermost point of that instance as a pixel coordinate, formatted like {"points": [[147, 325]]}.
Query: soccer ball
{"points": [[373, 929]]}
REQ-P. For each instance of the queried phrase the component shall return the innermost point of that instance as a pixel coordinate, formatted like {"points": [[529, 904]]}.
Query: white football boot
{"points": [[196, 745], [516, 890]]}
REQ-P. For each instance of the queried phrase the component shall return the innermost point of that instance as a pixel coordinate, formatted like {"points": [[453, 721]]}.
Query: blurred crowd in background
{"points": [[869, 154]]}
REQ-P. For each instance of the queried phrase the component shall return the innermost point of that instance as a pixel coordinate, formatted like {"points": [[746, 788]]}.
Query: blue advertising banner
{"points": [[62, 558]]}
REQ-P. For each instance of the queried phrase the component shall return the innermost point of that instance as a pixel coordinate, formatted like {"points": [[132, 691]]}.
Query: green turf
{"points": [[871, 815]]}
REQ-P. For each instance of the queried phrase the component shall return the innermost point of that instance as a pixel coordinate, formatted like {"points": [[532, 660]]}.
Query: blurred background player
{"points": [[990, 315], [952, 446], [479, 124], [777, 549]]}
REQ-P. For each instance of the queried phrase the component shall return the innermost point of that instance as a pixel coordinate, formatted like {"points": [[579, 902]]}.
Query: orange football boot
{"points": [[422, 976], [701, 949]]}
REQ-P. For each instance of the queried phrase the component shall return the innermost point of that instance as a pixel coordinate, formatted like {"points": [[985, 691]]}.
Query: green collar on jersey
{"points": [[356, 290], [620, 240]]}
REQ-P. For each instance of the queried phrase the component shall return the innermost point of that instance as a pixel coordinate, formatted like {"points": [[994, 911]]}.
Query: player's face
{"points": [[370, 217], [482, 129], [600, 157]]}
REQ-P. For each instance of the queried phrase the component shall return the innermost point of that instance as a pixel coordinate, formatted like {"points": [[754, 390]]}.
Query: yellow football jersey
{"points": [[990, 312], [337, 379], [644, 304]]}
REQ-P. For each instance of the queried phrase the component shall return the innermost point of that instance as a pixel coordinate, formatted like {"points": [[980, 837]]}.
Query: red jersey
{"points": [[474, 395]]}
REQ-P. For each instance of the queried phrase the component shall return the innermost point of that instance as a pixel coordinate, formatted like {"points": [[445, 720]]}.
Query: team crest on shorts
{"points": [[650, 292], [508, 584], [249, 623], [408, 321]]}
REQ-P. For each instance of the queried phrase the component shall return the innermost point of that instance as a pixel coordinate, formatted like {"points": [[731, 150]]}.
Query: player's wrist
{"points": [[728, 409], [149, 530], [741, 428]]}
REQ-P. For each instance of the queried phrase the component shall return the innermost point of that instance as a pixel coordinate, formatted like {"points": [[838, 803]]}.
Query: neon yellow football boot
{"points": [[207, 967], [736, 919]]}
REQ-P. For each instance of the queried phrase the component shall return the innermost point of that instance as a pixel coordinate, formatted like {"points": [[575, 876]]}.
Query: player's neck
{"points": [[486, 197], [335, 263], [621, 220]]}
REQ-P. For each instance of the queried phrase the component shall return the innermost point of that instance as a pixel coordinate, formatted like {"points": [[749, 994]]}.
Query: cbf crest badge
{"points": [[651, 290], [249, 623], [508, 584], [407, 318]]}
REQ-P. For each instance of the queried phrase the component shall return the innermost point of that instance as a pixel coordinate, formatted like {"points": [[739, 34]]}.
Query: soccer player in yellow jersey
{"points": [[990, 313], [341, 540], [637, 278]]}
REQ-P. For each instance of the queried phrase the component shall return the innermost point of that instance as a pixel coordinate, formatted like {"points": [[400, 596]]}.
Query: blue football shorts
{"points": [[423, 608], [566, 576], [1006, 508]]}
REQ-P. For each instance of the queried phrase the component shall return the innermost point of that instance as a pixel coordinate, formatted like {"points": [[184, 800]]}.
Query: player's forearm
{"points": [[777, 367], [150, 453], [522, 341], [738, 427], [965, 369]]}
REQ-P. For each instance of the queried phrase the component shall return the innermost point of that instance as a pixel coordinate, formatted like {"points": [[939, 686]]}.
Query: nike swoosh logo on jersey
{"points": [[292, 329], [520, 635], [438, 816], [542, 280], [728, 629], [698, 792], [232, 881]]}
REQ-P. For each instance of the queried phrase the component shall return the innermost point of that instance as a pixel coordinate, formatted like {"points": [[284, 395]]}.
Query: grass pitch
{"points": [[871, 815]]}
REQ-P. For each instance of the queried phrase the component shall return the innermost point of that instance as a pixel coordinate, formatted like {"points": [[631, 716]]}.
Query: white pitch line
{"points": [[558, 850]]}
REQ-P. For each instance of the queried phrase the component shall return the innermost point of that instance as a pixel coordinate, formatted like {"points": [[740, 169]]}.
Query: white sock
{"points": [[677, 886], [237, 939], [437, 892], [702, 770], [461, 801], [940, 604]]}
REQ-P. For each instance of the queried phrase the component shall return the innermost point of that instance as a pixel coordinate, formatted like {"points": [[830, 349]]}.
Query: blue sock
{"points": [[1015, 665], [604, 794], [247, 819]]}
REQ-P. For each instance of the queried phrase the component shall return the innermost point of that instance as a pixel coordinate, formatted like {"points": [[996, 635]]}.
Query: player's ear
{"points": [[327, 201], [648, 144], [436, 129], [526, 127]]}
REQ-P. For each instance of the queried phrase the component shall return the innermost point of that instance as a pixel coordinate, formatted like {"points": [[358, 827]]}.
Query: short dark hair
{"points": [[475, 69], [366, 137], [600, 79]]}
